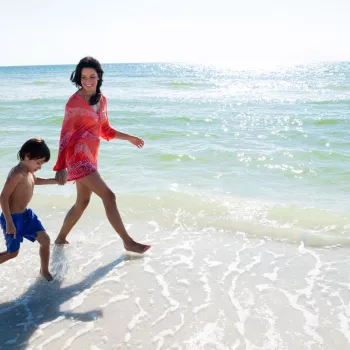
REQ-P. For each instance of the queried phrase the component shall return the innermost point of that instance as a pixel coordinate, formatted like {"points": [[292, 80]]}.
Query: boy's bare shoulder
{"points": [[16, 172]]}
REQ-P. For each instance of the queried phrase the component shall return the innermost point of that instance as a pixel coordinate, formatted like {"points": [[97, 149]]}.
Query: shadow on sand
{"points": [[40, 303]]}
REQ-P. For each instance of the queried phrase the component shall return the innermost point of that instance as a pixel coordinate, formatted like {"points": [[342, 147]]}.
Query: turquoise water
{"points": [[264, 152]]}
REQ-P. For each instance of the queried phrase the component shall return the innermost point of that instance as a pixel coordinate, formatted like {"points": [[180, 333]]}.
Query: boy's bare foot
{"points": [[61, 241], [47, 275], [136, 247]]}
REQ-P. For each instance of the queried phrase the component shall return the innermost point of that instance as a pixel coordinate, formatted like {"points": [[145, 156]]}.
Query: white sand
{"points": [[193, 290]]}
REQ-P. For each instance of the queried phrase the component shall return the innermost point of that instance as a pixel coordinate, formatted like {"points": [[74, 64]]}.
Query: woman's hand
{"points": [[61, 176], [136, 141]]}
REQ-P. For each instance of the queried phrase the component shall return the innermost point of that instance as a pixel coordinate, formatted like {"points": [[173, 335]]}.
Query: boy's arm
{"points": [[12, 181], [40, 181]]}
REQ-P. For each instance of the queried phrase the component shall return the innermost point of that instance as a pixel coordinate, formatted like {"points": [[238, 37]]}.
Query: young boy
{"points": [[16, 220]]}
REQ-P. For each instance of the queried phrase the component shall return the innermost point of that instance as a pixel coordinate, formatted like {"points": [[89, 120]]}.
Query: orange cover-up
{"points": [[80, 137]]}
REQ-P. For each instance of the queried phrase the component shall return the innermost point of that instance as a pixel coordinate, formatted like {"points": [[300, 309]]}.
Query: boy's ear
{"points": [[27, 156]]}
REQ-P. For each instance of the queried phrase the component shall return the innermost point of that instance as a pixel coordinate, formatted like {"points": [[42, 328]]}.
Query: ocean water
{"points": [[242, 188]]}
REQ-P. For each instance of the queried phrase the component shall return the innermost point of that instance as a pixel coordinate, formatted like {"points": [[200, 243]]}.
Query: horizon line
{"points": [[103, 63], [173, 62]]}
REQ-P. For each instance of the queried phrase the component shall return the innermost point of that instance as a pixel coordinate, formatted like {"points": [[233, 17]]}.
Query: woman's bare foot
{"points": [[61, 241], [47, 275], [136, 247]]}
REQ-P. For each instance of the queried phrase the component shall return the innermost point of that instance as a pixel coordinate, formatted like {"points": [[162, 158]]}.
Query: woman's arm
{"points": [[67, 132], [132, 139], [109, 133]]}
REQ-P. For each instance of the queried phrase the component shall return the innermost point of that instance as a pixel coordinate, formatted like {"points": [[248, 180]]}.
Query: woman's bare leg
{"points": [[74, 213], [96, 184]]}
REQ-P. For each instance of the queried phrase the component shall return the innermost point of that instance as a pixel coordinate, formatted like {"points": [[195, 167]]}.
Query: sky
{"points": [[228, 32]]}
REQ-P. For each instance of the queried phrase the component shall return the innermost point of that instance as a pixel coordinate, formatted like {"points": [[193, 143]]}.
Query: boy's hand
{"points": [[136, 141], [11, 229]]}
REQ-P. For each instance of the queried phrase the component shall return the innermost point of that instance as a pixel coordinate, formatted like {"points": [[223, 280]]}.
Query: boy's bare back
{"points": [[24, 182]]}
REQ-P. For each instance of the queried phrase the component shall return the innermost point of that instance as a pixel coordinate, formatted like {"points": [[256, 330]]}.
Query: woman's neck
{"points": [[87, 93]]}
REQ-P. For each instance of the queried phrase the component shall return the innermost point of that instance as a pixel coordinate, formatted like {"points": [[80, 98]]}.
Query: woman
{"points": [[85, 121]]}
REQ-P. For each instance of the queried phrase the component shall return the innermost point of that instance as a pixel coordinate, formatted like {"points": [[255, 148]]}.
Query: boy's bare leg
{"points": [[74, 213], [44, 241], [96, 184], [5, 256]]}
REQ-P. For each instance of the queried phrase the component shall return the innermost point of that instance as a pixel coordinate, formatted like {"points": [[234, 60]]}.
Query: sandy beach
{"points": [[193, 290]]}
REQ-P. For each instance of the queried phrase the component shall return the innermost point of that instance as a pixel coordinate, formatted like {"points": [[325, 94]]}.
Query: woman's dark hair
{"points": [[34, 149], [75, 78]]}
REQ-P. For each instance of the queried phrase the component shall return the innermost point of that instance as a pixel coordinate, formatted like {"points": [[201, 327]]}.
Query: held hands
{"points": [[136, 141], [11, 229], [61, 176]]}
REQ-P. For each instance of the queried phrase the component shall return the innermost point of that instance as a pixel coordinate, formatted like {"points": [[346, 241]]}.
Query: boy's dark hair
{"points": [[35, 149], [75, 78]]}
